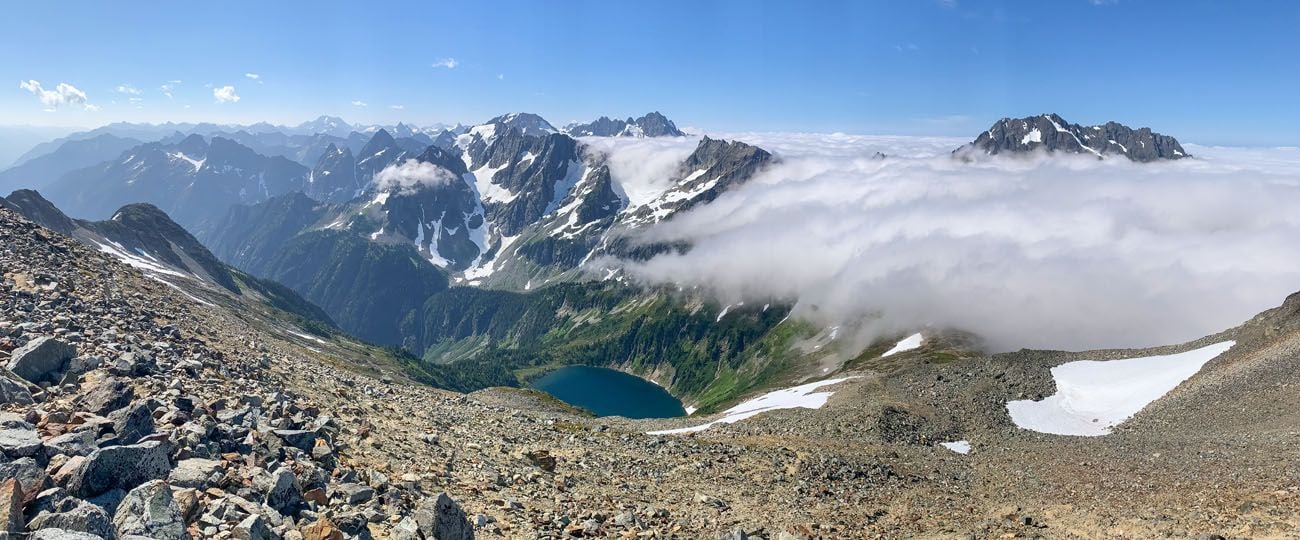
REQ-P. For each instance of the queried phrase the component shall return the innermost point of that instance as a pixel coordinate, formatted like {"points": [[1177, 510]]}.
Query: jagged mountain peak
{"points": [[1051, 133], [652, 124]]}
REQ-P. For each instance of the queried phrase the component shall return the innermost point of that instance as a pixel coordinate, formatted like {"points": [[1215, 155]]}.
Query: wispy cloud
{"points": [[168, 88], [63, 94], [449, 63], [397, 107], [909, 47], [127, 89], [225, 94], [359, 103], [253, 77]]}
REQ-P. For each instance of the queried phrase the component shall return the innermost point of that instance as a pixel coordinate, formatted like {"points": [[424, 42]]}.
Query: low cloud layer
{"points": [[411, 175], [1062, 252]]}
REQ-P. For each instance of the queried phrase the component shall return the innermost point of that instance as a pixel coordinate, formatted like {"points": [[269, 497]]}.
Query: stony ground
{"points": [[132, 409]]}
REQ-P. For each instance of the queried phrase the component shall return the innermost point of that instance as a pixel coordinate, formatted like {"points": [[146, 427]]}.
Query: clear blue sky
{"points": [[1206, 71]]}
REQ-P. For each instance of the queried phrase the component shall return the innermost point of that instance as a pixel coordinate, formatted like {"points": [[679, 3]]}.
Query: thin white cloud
{"points": [[411, 175], [359, 103], [168, 88], [252, 76], [397, 107], [1060, 252], [127, 89], [449, 63], [62, 94], [225, 94]]}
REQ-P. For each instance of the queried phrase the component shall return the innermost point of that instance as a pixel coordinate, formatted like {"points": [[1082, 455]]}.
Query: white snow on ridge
{"points": [[908, 343], [145, 263], [803, 396], [1032, 136], [1094, 396], [197, 163]]}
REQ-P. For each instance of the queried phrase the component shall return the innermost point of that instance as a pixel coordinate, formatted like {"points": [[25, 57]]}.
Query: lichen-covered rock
{"points": [[122, 467], [440, 518], [149, 510]]}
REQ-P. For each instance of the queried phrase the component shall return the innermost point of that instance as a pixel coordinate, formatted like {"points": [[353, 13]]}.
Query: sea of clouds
{"points": [[1062, 252]]}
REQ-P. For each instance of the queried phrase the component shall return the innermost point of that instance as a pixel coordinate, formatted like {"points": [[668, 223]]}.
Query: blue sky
{"points": [[1205, 71]]}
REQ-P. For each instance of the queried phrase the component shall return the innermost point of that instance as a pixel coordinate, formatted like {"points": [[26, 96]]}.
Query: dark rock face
{"points": [[1052, 133], [651, 125], [535, 170], [334, 179]]}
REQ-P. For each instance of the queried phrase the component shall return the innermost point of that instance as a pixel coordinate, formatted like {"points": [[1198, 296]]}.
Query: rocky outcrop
{"points": [[1051, 133]]}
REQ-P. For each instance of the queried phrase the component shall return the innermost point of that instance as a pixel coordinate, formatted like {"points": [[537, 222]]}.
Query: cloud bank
{"points": [[1062, 252], [411, 175]]}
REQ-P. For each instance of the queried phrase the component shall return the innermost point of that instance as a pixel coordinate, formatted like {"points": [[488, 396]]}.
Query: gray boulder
{"points": [[440, 518], [41, 359], [107, 396], [282, 490], [62, 534], [84, 518], [132, 423], [76, 443], [18, 438], [121, 467], [253, 527], [193, 473], [406, 529], [13, 389], [149, 510], [298, 438]]}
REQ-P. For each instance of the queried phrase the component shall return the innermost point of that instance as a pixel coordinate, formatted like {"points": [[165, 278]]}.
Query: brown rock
{"points": [[316, 495], [11, 506], [323, 529]]}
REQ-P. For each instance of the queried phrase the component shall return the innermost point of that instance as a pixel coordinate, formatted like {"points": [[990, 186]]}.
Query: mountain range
{"points": [[440, 243]]}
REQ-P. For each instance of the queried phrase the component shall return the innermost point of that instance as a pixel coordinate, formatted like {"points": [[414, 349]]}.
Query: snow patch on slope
{"points": [[1094, 396], [803, 397]]}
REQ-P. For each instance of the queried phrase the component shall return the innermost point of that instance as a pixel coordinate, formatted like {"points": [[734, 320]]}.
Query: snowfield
{"points": [[908, 343], [803, 396], [1092, 397]]}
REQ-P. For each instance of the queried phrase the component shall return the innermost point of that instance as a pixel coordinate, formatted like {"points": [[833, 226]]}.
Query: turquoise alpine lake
{"points": [[609, 392]]}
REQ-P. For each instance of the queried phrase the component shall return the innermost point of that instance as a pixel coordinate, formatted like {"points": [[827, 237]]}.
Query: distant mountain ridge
{"points": [[1051, 133], [653, 124]]}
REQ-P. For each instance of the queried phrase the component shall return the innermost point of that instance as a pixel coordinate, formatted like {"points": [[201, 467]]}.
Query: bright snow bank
{"points": [[1092, 397], [960, 447], [908, 343], [803, 396]]}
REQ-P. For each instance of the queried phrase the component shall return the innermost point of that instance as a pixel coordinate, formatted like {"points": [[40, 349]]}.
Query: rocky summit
{"points": [[1051, 133]]}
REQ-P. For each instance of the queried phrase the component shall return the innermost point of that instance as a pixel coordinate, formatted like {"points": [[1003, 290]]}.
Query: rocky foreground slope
{"points": [[130, 409]]}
